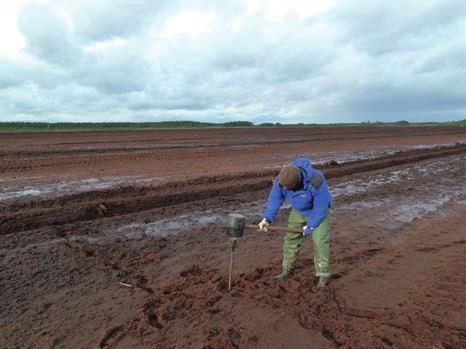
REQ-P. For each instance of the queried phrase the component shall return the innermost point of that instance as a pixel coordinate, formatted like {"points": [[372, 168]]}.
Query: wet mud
{"points": [[145, 265]]}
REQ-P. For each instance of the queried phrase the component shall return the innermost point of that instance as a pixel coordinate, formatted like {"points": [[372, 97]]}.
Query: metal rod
{"points": [[276, 228], [231, 270], [232, 249]]}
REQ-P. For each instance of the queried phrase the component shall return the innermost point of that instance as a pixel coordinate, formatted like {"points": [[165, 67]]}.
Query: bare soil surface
{"points": [[116, 240]]}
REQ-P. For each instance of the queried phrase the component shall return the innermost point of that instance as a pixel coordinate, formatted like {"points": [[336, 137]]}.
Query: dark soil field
{"points": [[117, 240]]}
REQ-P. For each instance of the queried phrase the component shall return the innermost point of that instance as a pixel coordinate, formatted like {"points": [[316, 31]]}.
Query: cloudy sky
{"points": [[280, 61]]}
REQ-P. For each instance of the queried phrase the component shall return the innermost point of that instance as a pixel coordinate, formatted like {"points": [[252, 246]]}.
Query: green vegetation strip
{"points": [[121, 126]]}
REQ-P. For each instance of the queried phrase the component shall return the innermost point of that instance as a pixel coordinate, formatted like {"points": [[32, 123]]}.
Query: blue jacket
{"points": [[311, 202]]}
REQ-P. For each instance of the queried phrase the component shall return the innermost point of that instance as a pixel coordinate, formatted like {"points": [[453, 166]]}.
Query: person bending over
{"points": [[306, 189]]}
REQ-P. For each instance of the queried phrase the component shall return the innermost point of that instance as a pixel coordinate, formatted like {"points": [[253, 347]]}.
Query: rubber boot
{"points": [[321, 284], [283, 276]]}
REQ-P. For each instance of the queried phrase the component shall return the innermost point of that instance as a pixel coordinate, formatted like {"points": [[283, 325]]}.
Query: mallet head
{"points": [[235, 225]]}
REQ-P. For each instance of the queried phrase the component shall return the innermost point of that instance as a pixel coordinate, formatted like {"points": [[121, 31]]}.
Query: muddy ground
{"points": [[116, 240]]}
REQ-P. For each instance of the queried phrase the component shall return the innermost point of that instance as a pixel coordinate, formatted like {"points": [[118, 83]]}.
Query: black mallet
{"points": [[236, 223]]}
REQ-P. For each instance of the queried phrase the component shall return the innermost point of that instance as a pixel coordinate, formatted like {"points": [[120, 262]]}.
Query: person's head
{"points": [[290, 177]]}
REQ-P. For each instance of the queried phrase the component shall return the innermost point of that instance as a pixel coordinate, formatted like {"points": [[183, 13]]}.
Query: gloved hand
{"points": [[308, 230], [263, 224]]}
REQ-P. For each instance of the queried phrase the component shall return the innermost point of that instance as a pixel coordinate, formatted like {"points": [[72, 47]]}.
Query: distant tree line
{"points": [[407, 123], [65, 126], [107, 126], [401, 122]]}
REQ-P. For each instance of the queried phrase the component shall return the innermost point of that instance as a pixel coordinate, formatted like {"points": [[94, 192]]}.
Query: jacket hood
{"points": [[305, 166]]}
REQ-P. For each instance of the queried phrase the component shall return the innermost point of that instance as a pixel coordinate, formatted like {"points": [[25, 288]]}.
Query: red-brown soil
{"points": [[68, 251]]}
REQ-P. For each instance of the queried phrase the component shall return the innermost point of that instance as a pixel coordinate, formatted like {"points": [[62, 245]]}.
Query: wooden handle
{"points": [[276, 228]]}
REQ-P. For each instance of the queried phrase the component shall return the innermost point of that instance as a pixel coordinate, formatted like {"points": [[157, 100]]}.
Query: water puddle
{"points": [[164, 227], [356, 186], [65, 187], [393, 212], [406, 213]]}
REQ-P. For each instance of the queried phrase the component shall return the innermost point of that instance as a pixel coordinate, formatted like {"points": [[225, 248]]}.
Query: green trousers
{"points": [[321, 243]]}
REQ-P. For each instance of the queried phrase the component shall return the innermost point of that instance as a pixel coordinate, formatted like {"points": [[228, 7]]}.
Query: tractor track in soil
{"points": [[161, 146], [20, 215], [91, 153]]}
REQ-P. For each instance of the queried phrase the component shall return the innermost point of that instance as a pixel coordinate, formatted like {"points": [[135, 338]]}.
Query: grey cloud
{"points": [[411, 101], [106, 19], [389, 26], [235, 60], [14, 73], [450, 57], [48, 37], [141, 101], [119, 76]]}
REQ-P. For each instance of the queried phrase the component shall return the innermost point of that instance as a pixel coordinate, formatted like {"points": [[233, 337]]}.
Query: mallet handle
{"points": [[276, 228]]}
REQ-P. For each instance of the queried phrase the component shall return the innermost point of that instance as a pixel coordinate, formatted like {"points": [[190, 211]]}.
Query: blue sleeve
{"points": [[275, 201], [321, 205]]}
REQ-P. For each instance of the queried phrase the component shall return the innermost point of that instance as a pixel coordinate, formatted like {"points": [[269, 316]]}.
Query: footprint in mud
{"points": [[112, 336], [327, 334], [222, 286], [194, 270], [141, 282], [153, 320], [258, 273], [234, 336]]}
